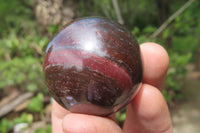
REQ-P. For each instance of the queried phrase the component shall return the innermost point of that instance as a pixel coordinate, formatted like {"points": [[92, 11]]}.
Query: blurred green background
{"points": [[26, 27]]}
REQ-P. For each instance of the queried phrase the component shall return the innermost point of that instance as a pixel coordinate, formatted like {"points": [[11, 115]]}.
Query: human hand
{"points": [[146, 113]]}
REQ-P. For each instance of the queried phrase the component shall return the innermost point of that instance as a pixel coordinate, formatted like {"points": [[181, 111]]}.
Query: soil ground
{"points": [[186, 114]]}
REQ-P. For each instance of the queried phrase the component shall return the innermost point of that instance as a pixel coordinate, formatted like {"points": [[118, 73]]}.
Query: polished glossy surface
{"points": [[93, 66]]}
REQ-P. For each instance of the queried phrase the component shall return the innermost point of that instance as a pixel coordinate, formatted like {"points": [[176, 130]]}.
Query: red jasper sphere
{"points": [[93, 66]]}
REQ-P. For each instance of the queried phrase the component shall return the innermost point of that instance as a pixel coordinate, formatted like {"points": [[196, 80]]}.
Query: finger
{"points": [[80, 123], [148, 113], [57, 114], [155, 64]]}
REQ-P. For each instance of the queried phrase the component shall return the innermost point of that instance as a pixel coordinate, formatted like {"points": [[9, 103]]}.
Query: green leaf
{"points": [[32, 87], [36, 103], [5, 125], [121, 117], [24, 118], [167, 96], [47, 129]]}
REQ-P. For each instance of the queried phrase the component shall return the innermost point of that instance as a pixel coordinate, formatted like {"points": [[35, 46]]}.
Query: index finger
{"points": [[155, 68]]}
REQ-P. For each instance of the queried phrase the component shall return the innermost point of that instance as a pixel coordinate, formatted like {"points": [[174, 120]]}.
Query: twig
{"points": [[36, 48], [35, 126], [22, 105], [6, 100], [117, 10], [14, 102], [171, 18]]}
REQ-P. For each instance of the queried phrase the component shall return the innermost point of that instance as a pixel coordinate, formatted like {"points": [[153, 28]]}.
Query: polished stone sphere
{"points": [[93, 66]]}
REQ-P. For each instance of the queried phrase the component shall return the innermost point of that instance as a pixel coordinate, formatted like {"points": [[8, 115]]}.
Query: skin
{"points": [[146, 113]]}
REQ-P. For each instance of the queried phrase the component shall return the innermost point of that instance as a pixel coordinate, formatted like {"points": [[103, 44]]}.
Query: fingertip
{"points": [[155, 61], [158, 51]]}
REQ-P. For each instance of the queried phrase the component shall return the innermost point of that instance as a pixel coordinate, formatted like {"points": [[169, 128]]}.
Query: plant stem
{"points": [[171, 18]]}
